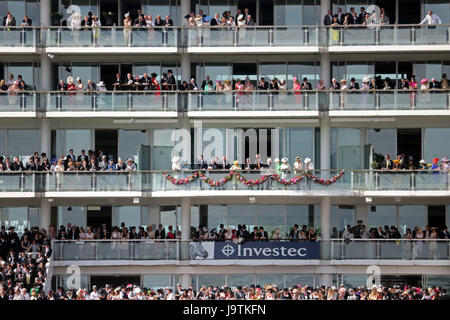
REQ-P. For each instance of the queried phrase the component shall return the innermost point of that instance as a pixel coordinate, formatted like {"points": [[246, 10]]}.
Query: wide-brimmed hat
{"points": [[307, 160], [422, 162], [445, 159], [343, 80], [284, 160], [435, 160], [424, 81], [240, 17], [366, 79], [70, 80]]}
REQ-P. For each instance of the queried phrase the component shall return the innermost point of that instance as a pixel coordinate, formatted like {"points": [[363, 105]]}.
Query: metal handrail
{"points": [[268, 240]]}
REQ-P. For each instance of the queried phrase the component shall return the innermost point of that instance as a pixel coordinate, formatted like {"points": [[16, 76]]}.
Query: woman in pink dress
{"points": [[296, 87], [413, 86], [239, 86]]}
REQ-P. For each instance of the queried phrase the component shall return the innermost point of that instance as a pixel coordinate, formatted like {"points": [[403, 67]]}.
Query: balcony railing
{"points": [[334, 249], [18, 36], [145, 181], [255, 36], [114, 37], [182, 101]]}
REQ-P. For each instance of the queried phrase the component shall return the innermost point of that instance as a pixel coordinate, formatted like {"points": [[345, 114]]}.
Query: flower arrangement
{"points": [[251, 182]]}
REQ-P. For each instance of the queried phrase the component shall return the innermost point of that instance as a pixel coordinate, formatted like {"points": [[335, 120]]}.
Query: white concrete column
{"points": [[186, 68], [45, 8], [325, 145], [185, 218], [325, 232], [185, 8], [324, 7], [154, 215], [46, 135], [325, 71], [45, 214], [325, 218]]}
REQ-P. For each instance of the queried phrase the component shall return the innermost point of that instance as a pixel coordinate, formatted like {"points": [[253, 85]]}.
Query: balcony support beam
{"points": [[46, 135], [325, 144], [45, 8], [185, 6], [325, 233], [185, 219], [154, 215], [324, 7], [186, 67]]}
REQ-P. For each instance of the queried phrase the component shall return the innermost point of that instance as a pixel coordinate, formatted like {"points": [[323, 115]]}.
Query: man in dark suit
{"points": [[387, 164], [13, 238], [215, 21], [193, 85], [340, 16], [9, 20], [71, 156], [434, 84], [263, 234], [26, 22], [263, 85], [61, 86], [160, 233], [117, 82], [353, 84], [83, 156], [146, 82], [306, 85], [249, 21], [17, 165], [361, 16], [221, 233], [202, 164], [328, 18], [223, 164], [171, 82], [205, 82], [255, 234], [168, 22], [8, 164], [158, 21], [334, 84]]}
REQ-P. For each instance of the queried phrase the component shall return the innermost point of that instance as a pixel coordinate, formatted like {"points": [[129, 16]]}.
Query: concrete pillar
{"points": [[185, 8], [186, 68], [45, 214], [45, 8], [324, 7], [154, 215], [325, 145], [325, 71], [46, 137], [185, 219], [325, 232]]}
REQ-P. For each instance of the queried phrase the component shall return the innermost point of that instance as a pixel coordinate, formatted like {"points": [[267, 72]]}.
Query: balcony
{"points": [[18, 40], [112, 40], [349, 183], [337, 251], [213, 104]]}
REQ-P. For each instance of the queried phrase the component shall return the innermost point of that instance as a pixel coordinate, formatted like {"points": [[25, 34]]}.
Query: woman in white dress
{"points": [[96, 24], [285, 168], [59, 169], [127, 24]]}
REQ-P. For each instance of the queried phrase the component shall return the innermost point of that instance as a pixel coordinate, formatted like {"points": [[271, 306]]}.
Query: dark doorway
{"points": [[132, 7], [108, 75], [401, 280], [436, 216], [109, 6], [124, 70], [251, 6], [405, 70], [409, 142], [107, 141], [409, 11], [265, 13], [115, 281], [243, 70], [386, 69], [97, 216], [389, 9]]}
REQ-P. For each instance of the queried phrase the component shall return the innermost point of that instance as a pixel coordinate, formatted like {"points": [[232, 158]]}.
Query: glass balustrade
{"points": [[18, 182], [353, 249], [18, 101], [18, 37]]}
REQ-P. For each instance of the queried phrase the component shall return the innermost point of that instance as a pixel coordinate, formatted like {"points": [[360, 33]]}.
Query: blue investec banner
{"points": [[267, 250]]}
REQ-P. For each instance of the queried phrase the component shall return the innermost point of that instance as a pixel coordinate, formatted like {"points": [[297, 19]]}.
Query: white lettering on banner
{"points": [[266, 252], [74, 280]]}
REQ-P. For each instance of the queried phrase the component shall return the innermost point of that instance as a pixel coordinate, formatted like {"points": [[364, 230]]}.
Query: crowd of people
{"points": [[12, 86], [10, 21], [87, 162], [23, 262], [401, 163], [252, 292]]}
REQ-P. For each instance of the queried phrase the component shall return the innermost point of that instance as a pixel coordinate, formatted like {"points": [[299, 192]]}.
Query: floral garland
{"points": [[323, 182], [251, 182]]}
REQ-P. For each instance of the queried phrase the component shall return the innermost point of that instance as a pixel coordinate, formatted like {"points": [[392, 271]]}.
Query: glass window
{"points": [[234, 280], [130, 141], [311, 13], [300, 71], [268, 71], [65, 282], [359, 70], [447, 219], [380, 216], [341, 216], [436, 143], [269, 279], [156, 281], [73, 139], [75, 215], [354, 280], [441, 7], [33, 12], [211, 280], [213, 143], [288, 12], [296, 214], [195, 216], [149, 69], [217, 215], [33, 216], [411, 216], [242, 214], [23, 143], [161, 7], [427, 69], [85, 72], [346, 149], [216, 72], [171, 216], [23, 69], [299, 142], [3, 150], [16, 217], [300, 280], [17, 8], [384, 141], [442, 281], [130, 215], [271, 217]]}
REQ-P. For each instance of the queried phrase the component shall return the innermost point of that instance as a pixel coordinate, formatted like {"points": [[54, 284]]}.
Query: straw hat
{"points": [[366, 79], [307, 160], [422, 162], [240, 17], [445, 159], [70, 80]]}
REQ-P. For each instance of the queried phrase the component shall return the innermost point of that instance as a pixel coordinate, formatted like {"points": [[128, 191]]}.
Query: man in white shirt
{"points": [[94, 294], [431, 18]]}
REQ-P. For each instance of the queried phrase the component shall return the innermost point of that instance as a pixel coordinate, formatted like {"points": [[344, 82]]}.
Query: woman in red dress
{"points": [[155, 84]]}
